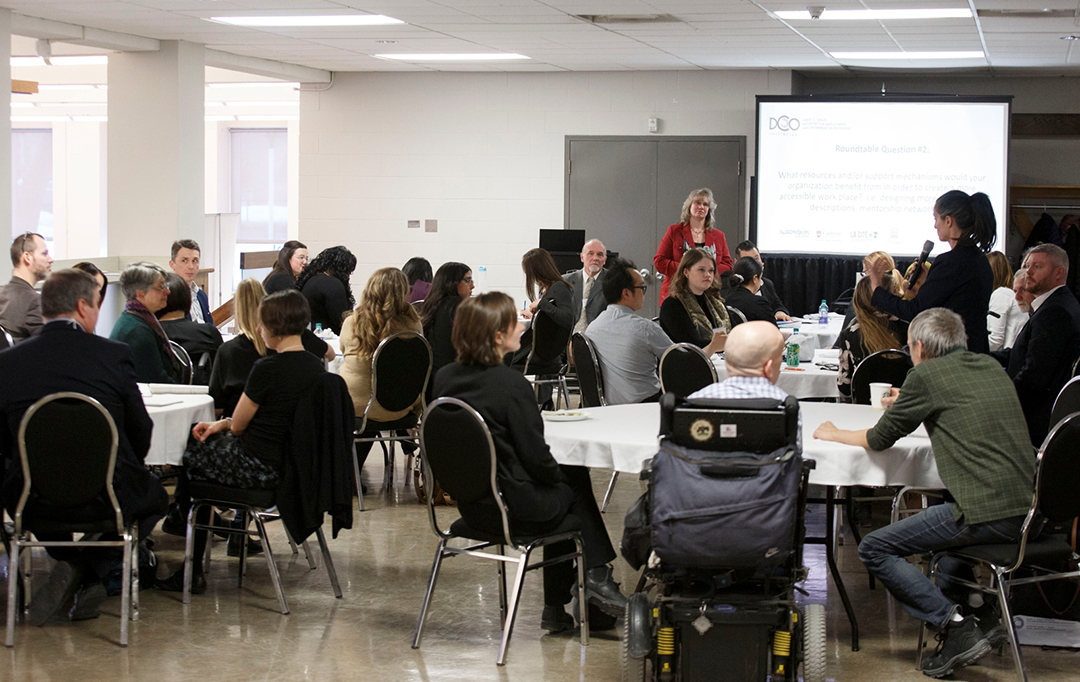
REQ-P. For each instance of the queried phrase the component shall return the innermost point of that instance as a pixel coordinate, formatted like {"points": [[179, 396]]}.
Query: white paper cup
{"points": [[879, 390]]}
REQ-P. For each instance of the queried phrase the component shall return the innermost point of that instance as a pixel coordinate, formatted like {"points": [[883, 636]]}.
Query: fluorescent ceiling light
{"points": [[452, 57], [78, 60], [91, 119], [21, 105], [214, 104], [40, 119], [876, 14], [253, 85], [875, 56], [67, 86], [283, 117], [310, 20], [280, 103], [219, 118]]}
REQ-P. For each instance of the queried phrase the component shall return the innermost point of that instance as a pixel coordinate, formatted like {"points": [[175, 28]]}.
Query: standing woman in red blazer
{"points": [[696, 229]]}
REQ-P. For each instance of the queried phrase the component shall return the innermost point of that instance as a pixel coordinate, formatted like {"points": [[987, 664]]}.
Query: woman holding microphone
{"points": [[961, 279]]}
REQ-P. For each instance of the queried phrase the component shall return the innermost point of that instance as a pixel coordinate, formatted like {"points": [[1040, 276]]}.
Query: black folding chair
{"points": [[457, 448], [183, 361], [591, 383], [1067, 401], [884, 366], [403, 361], [70, 472], [544, 365], [685, 369], [1057, 476], [736, 316]]}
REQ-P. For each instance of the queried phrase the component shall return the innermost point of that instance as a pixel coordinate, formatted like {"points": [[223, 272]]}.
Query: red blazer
{"points": [[677, 241]]}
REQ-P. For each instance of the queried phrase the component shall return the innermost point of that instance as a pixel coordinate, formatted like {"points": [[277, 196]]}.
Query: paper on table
{"points": [[160, 401], [826, 356], [164, 389]]}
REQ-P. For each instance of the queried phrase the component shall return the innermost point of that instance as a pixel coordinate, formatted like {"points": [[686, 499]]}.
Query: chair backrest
{"points": [[459, 453], [6, 340], [759, 425], [187, 370], [67, 446], [548, 340], [1057, 473], [203, 369], [884, 366], [1075, 369], [1067, 401], [590, 380], [684, 369], [403, 362], [736, 316]]}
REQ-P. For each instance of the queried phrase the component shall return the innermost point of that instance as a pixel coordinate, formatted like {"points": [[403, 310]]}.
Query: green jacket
{"points": [[152, 366]]}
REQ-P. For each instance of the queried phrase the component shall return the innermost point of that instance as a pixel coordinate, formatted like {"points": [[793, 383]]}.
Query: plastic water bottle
{"points": [[791, 355], [823, 313], [480, 279], [318, 329]]}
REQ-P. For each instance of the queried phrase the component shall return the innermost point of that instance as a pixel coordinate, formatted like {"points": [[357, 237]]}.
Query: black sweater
{"points": [[329, 301]]}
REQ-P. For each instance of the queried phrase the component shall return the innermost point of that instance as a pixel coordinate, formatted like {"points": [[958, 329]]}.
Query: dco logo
{"points": [[784, 123]]}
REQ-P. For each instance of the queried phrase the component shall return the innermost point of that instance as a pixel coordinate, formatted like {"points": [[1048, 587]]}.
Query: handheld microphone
{"points": [[927, 247]]}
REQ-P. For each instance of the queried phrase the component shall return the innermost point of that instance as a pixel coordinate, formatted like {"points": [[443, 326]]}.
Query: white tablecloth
{"points": [[621, 437], [172, 424], [814, 335], [806, 381]]}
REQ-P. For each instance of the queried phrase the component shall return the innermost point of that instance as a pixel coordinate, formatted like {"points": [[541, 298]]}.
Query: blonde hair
{"points": [[876, 257], [999, 265], [249, 296], [710, 219], [873, 323], [385, 300]]}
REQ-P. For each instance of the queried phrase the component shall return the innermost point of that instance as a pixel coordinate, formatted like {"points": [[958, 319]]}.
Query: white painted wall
{"points": [[482, 154]]}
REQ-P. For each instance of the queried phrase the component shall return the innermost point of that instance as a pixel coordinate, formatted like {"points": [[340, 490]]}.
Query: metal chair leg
{"points": [[125, 591], [427, 595], [135, 572], [1006, 618], [515, 597], [272, 565], [610, 487], [328, 562], [356, 474], [13, 573], [189, 548], [583, 603], [502, 587]]}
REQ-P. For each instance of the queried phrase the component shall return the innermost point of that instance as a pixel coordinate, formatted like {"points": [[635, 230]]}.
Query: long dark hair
{"points": [[540, 272], [745, 270], [93, 270], [974, 215], [444, 285], [416, 269], [336, 261], [283, 257]]}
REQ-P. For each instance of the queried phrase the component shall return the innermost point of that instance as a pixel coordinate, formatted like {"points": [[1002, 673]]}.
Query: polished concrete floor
{"points": [[383, 564]]}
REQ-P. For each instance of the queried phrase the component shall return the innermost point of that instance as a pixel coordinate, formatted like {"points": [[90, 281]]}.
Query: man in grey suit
{"points": [[586, 284]]}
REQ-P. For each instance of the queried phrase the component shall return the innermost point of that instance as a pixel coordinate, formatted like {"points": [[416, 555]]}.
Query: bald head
{"points": [[754, 349], [593, 257]]}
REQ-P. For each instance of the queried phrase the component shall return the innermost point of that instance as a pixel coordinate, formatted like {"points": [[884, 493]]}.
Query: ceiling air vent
{"points": [[628, 18], [1027, 13]]}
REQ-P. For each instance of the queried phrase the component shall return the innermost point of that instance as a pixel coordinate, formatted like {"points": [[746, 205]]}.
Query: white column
{"points": [[5, 146], [155, 149]]}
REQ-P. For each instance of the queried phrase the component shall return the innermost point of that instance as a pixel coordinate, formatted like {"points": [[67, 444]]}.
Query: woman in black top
{"points": [[291, 260], [694, 310], [325, 284], [550, 294], [538, 492], [248, 449], [961, 279], [452, 284], [195, 338], [745, 280]]}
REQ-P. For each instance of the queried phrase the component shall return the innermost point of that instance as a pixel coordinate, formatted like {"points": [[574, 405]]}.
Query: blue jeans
{"points": [[884, 552]]}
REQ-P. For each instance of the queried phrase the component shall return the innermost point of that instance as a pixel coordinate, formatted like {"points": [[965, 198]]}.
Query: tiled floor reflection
{"points": [[383, 565]]}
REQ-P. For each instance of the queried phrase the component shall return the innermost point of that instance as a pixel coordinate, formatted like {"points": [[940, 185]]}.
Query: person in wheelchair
{"points": [[538, 492]]}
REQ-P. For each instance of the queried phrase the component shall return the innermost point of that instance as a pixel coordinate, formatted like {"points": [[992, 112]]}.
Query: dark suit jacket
{"points": [[1041, 359], [768, 292], [63, 357], [754, 307], [596, 303], [204, 304]]}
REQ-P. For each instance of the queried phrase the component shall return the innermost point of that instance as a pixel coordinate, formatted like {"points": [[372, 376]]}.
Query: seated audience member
{"points": [[1004, 319], [20, 305], [418, 270], [66, 356], [747, 249], [984, 456], [291, 260], [549, 293], [753, 358], [185, 263], [146, 292], [248, 450], [868, 262], [1021, 295], [95, 272], [383, 310], [745, 281], [694, 310], [584, 284], [325, 284], [628, 346], [872, 331], [1040, 361], [538, 492], [453, 283], [195, 338]]}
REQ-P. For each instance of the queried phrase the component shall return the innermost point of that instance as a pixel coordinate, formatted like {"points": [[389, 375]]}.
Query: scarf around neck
{"points": [[140, 311], [698, 316]]}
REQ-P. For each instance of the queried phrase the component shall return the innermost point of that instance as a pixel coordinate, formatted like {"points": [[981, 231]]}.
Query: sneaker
{"points": [[998, 636], [959, 644], [604, 592], [556, 619]]}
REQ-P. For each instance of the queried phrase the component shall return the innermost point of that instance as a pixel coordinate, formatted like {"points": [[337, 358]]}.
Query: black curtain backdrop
{"points": [[803, 280]]}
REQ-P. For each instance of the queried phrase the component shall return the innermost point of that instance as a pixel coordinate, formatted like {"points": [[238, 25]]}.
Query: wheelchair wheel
{"points": [[637, 638], [813, 632], [633, 669]]}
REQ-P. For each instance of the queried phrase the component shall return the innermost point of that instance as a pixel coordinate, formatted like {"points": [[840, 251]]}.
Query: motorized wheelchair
{"points": [[720, 532]]}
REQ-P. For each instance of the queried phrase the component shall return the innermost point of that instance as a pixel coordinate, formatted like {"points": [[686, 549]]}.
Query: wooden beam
{"points": [[24, 87], [258, 259]]}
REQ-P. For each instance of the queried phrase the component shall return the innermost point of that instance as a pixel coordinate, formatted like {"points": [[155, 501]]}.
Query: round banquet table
{"points": [[173, 415], [806, 381], [622, 437], [814, 335]]}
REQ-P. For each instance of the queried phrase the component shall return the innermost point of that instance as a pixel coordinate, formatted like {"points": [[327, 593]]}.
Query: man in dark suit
{"points": [[747, 249], [589, 277], [66, 356], [185, 262], [1041, 359]]}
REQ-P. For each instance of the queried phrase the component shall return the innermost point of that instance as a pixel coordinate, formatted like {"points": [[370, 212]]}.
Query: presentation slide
{"points": [[843, 177]]}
